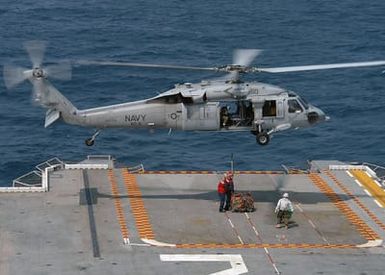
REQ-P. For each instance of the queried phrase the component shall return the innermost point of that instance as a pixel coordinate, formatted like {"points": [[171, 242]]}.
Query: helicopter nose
{"points": [[316, 115]]}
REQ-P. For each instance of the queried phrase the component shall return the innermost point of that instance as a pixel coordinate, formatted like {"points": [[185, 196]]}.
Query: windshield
{"points": [[303, 102]]}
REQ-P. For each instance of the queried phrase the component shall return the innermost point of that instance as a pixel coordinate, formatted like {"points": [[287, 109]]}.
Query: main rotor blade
{"points": [[60, 71], [244, 57], [13, 75], [35, 51], [143, 65], [320, 67]]}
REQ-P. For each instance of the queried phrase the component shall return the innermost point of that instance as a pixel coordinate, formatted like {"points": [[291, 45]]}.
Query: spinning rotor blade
{"points": [[13, 75], [319, 67], [143, 65], [35, 51], [244, 57], [60, 71]]}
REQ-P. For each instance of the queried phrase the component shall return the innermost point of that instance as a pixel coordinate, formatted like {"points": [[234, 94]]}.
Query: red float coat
{"points": [[221, 187]]}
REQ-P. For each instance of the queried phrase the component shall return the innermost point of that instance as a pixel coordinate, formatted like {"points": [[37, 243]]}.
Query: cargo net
{"points": [[242, 202]]}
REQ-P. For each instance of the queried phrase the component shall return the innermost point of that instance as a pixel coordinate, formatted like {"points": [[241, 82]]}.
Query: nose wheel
{"points": [[263, 138], [90, 141]]}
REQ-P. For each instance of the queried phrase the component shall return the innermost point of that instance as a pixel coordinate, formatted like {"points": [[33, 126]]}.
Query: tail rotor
{"points": [[14, 76]]}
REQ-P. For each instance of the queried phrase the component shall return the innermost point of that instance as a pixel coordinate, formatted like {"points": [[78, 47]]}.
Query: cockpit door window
{"points": [[294, 106]]}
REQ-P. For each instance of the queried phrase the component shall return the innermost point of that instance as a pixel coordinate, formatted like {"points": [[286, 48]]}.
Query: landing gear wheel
{"points": [[89, 142], [263, 138]]}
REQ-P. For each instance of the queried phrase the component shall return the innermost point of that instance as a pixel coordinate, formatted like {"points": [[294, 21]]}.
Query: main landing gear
{"points": [[263, 138], [90, 141]]}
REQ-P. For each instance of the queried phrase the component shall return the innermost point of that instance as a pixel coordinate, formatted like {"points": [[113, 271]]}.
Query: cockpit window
{"points": [[303, 102], [294, 106]]}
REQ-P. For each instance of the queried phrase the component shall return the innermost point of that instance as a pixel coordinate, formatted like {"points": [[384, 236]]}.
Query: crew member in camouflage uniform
{"points": [[284, 211]]}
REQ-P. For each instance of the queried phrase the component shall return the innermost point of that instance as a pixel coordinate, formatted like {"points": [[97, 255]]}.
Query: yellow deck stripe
{"points": [[377, 192], [118, 206]]}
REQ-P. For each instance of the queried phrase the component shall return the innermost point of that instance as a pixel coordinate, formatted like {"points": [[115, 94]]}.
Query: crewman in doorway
{"points": [[229, 189], [222, 194], [284, 210]]}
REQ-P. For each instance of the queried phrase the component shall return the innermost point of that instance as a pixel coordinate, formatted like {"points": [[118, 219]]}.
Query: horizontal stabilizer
{"points": [[51, 116]]}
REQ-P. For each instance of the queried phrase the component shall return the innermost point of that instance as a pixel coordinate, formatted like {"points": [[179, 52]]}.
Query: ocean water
{"points": [[201, 33]]}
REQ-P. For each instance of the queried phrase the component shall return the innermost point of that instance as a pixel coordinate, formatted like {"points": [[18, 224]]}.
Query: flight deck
{"points": [[94, 218]]}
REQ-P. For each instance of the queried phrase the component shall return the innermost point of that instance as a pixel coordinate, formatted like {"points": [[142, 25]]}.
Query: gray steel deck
{"points": [[114, 222]]}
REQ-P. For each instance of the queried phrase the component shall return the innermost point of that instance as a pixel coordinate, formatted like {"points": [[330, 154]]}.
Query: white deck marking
{"points": [[312, 223], [299, 207], [156, 243], [350, 174], [370, 176], [379, 185], [231, 224], [367, 192], [236, 261], [376, 201], [268, 255], [234, 229], [359, 183]]}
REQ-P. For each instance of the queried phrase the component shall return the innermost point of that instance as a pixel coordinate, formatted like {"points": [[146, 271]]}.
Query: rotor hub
{"points": [[234, 68], [38, 72]]}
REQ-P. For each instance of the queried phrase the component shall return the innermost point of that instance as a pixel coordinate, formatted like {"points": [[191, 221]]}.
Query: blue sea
{"points": [[196, 33]]}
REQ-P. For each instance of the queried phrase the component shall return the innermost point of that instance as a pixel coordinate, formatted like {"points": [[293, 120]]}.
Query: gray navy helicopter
{"points": [[226, 104]]}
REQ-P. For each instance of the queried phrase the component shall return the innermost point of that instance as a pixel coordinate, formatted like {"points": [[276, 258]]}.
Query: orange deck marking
{"points": [[264, 245], [145, 229], [118, 205], [137, 206], [360, 225], [362, 177], [161, 172]]}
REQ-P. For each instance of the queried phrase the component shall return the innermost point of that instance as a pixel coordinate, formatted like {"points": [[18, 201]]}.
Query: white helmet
{"points": [[285, 195]]}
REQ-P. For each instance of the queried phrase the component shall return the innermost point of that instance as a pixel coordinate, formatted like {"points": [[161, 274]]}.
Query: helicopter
{"points": [[226, 104]]}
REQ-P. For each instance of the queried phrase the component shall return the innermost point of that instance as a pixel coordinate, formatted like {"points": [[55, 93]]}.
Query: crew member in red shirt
{"points": [[222, 194], [229, 189]]}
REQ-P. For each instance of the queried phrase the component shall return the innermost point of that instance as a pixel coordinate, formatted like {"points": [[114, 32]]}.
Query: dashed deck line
{"points": [[234, 229], [139, 212], [267, 252], [355, 199], [118, 207], [311, 223], [371, 186], [360, 225]]}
